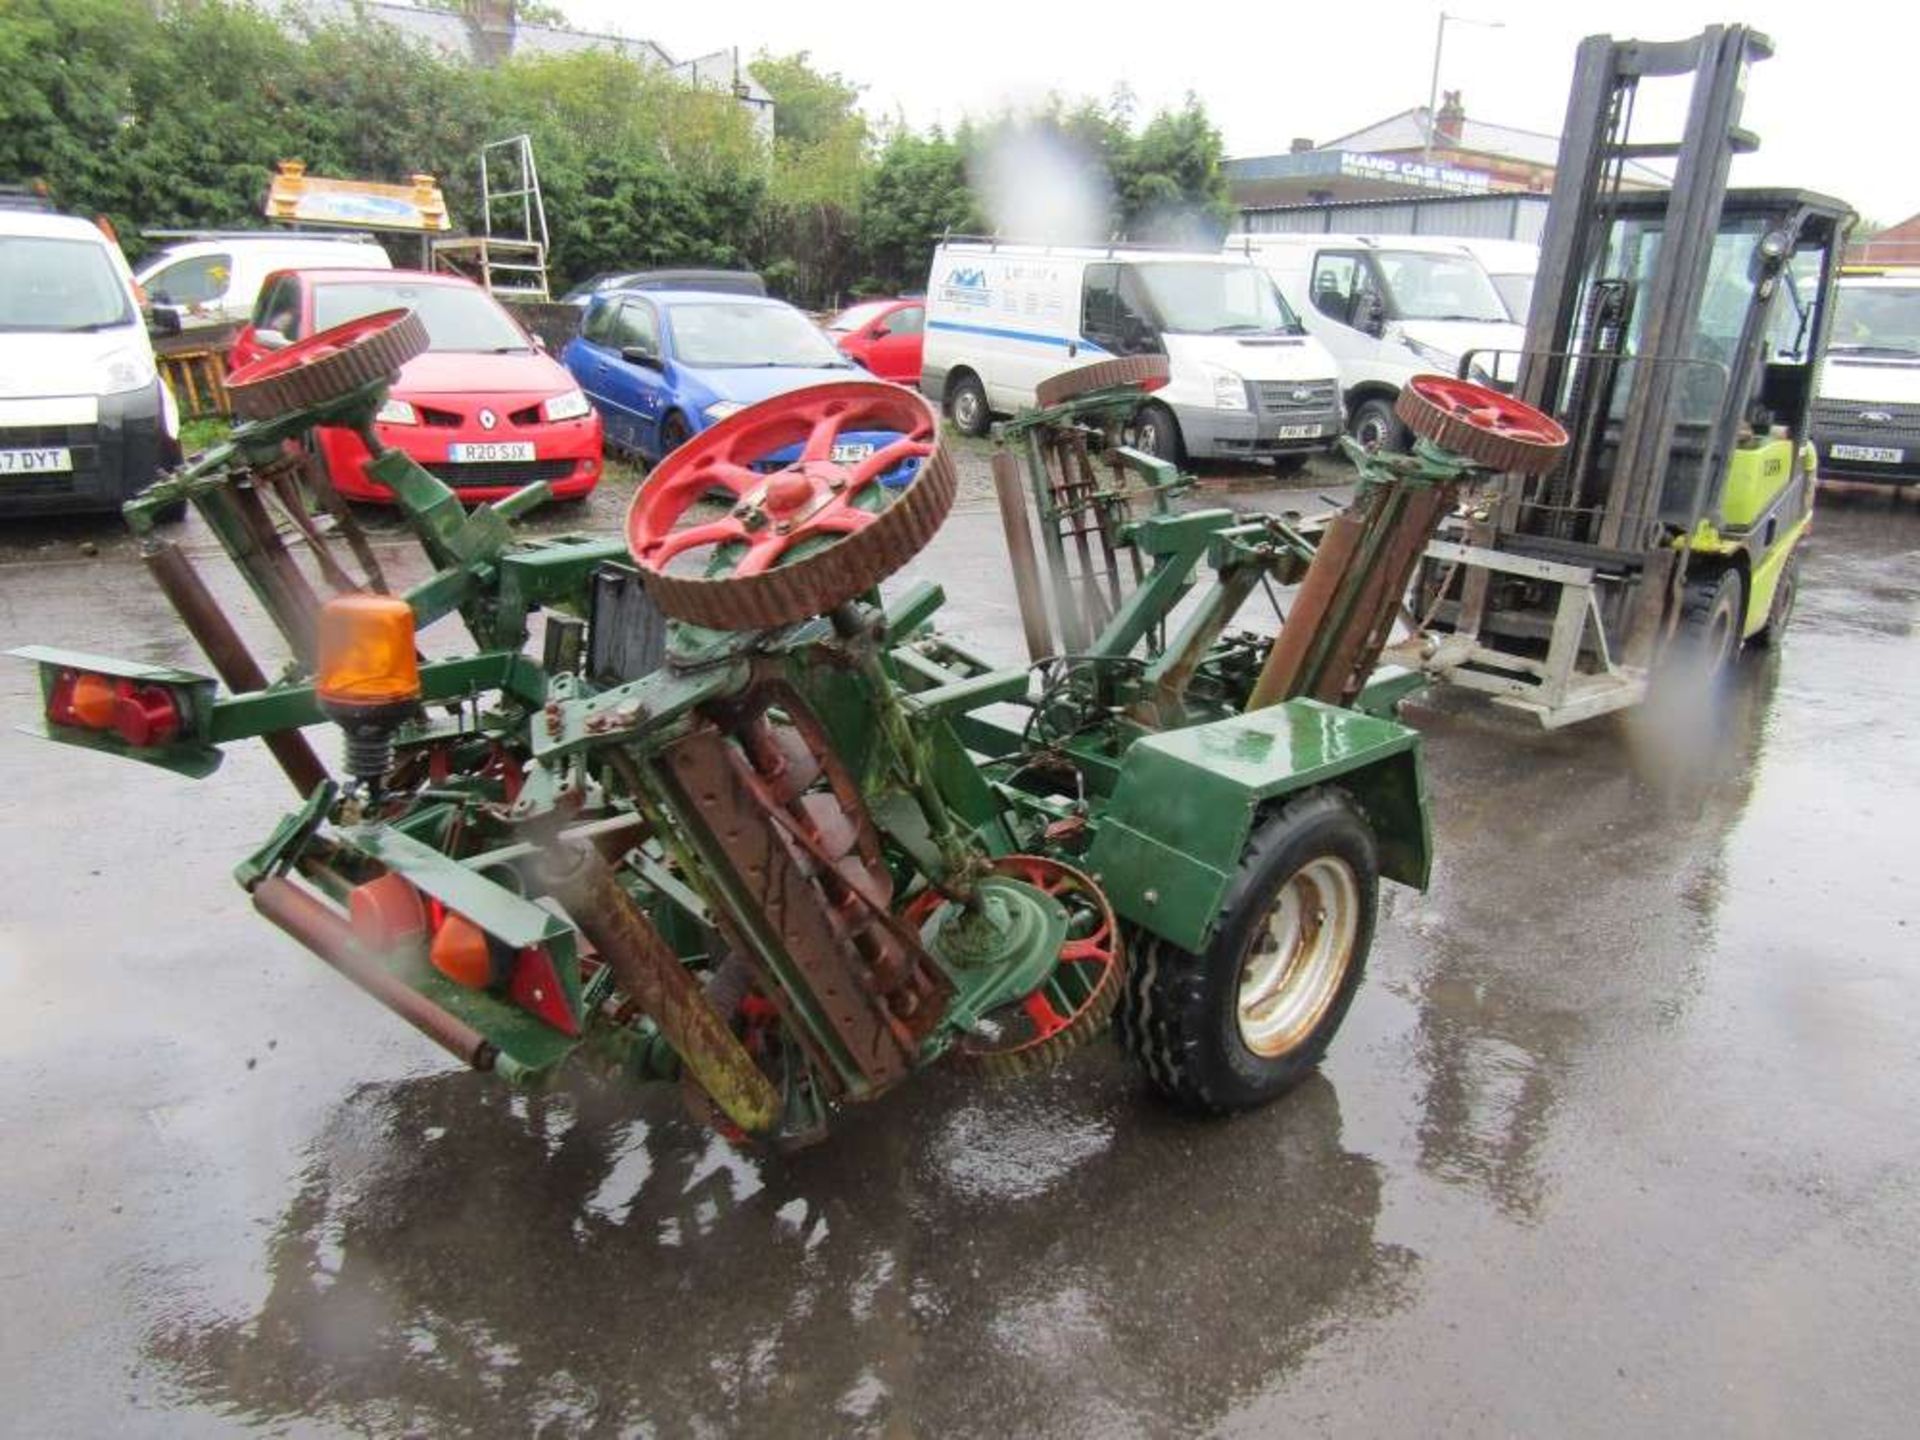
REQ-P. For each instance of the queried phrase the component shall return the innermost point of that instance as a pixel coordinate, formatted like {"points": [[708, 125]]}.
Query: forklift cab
{"points": [[1742, 396]]}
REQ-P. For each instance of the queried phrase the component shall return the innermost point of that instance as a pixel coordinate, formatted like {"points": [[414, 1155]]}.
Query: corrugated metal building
{"points": [[1511, 216]]}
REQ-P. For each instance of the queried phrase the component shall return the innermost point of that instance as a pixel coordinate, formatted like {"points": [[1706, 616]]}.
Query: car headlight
{"points": [[569, 405], [124, 370], [721, 409], [396, 412], [1229, 390], [1441, 360]]}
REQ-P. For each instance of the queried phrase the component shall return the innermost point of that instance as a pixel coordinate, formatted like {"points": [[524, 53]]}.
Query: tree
{"points": [[917, 192], [808, 247]]}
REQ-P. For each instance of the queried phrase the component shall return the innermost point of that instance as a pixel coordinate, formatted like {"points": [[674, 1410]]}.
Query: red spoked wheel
{"points": [[327, 366], [1487, 427], [1075, 1001], [807, 537]]}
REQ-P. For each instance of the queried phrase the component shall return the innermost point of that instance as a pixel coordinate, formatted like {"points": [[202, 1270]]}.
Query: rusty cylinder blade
{"points": [[329, 934], [647, 968], [1280, 676], [228, 653], [1026, 568]]}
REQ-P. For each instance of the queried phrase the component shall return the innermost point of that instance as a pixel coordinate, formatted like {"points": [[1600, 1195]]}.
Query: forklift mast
{"points": [[1566, 369]]}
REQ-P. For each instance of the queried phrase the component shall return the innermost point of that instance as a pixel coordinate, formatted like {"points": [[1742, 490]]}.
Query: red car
{"points": [[884, 336], [484, 408]]}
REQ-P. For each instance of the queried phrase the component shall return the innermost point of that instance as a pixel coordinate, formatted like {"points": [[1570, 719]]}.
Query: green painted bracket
{"points": [[1168, 842], [289, 838], [629, 713], [291, 707]]}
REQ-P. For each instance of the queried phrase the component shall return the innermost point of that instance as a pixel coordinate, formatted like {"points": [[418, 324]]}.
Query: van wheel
{"points": [[1375, 426], [967, 404], [1288, 465], [1156, 432]]}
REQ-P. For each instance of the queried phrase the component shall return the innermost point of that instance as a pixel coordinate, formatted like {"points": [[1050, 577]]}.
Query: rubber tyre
{"points": [[1287, 466], [1786, 591], [967, 406], [673, 434], [1128, 372], [1374, 424], [1157, 433], [1179, 1014], [1708, 638]]}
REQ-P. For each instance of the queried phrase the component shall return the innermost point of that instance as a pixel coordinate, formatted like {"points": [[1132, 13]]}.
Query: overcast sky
{"points": [[1835, 108]]}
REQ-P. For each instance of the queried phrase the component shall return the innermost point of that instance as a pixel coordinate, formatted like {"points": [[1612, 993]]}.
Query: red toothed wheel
{"points": [[1487, 427], [1129, 372], [1075, 1001], [802, 538], [326, 366]]}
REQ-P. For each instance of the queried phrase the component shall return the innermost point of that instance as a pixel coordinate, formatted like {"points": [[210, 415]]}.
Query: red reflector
{"points": [[141, 715], [145, 715]]}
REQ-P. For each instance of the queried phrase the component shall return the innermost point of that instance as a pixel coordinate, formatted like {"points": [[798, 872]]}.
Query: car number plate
{"points": [[1878, 454], [35, 462], [851, 454], [484, 452], [1300, 432]]}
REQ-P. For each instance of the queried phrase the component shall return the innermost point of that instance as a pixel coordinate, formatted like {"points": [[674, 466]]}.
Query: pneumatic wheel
{"points": [[967, 404], [1250, 1017], [1287, 466], [1375, 426], [1710, 620], [673, 434], [1785, 591], [1157, 433]]}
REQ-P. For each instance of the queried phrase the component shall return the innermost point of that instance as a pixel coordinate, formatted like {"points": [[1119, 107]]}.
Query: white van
{"points": [[85, 420], [1866, 416], [213, 278], [1390, 307], [1511, 265], [1247, 380]]}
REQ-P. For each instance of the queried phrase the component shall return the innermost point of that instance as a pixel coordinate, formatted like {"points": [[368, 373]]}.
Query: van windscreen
{"points": [[1431, 285], [1197, 298], [60, 286]]}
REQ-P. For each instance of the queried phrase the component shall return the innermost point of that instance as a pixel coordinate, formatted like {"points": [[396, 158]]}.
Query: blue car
{"points": [[662, 365]]}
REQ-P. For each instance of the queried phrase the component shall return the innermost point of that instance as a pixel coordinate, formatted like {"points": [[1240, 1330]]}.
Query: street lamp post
{"points": [[1433, 86]]}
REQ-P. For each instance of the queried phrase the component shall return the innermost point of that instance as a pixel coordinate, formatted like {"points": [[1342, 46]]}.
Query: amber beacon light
{"points": [[368, 676]]}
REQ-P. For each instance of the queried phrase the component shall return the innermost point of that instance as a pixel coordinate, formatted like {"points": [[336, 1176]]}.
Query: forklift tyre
{"points": [[1710, 620], [1785, 591], [1248, 1019]]}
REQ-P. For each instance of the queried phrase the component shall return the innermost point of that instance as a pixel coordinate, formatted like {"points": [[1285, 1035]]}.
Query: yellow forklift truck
{"points": [[1676, 334]]}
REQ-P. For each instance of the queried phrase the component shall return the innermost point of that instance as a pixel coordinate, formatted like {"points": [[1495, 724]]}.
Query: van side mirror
{"points": [[163, 320], [640, 355]]}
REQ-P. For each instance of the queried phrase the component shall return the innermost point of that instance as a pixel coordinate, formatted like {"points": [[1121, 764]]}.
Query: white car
{"points": [[85, 420], [1390, 307], [1248, 381], [214, 279]]}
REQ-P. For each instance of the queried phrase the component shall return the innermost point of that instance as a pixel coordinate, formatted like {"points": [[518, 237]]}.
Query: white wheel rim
{"points": [[1294, 967]]}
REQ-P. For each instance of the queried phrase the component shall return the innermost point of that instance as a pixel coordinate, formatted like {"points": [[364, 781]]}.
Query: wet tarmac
{"points": [[1622, 1133]]}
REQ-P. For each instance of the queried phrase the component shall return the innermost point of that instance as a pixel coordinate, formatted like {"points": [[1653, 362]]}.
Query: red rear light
{"points": [[141, 715]]}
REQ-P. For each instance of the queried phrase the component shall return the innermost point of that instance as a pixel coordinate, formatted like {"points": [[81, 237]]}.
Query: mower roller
{"points": [[699, 806]]}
